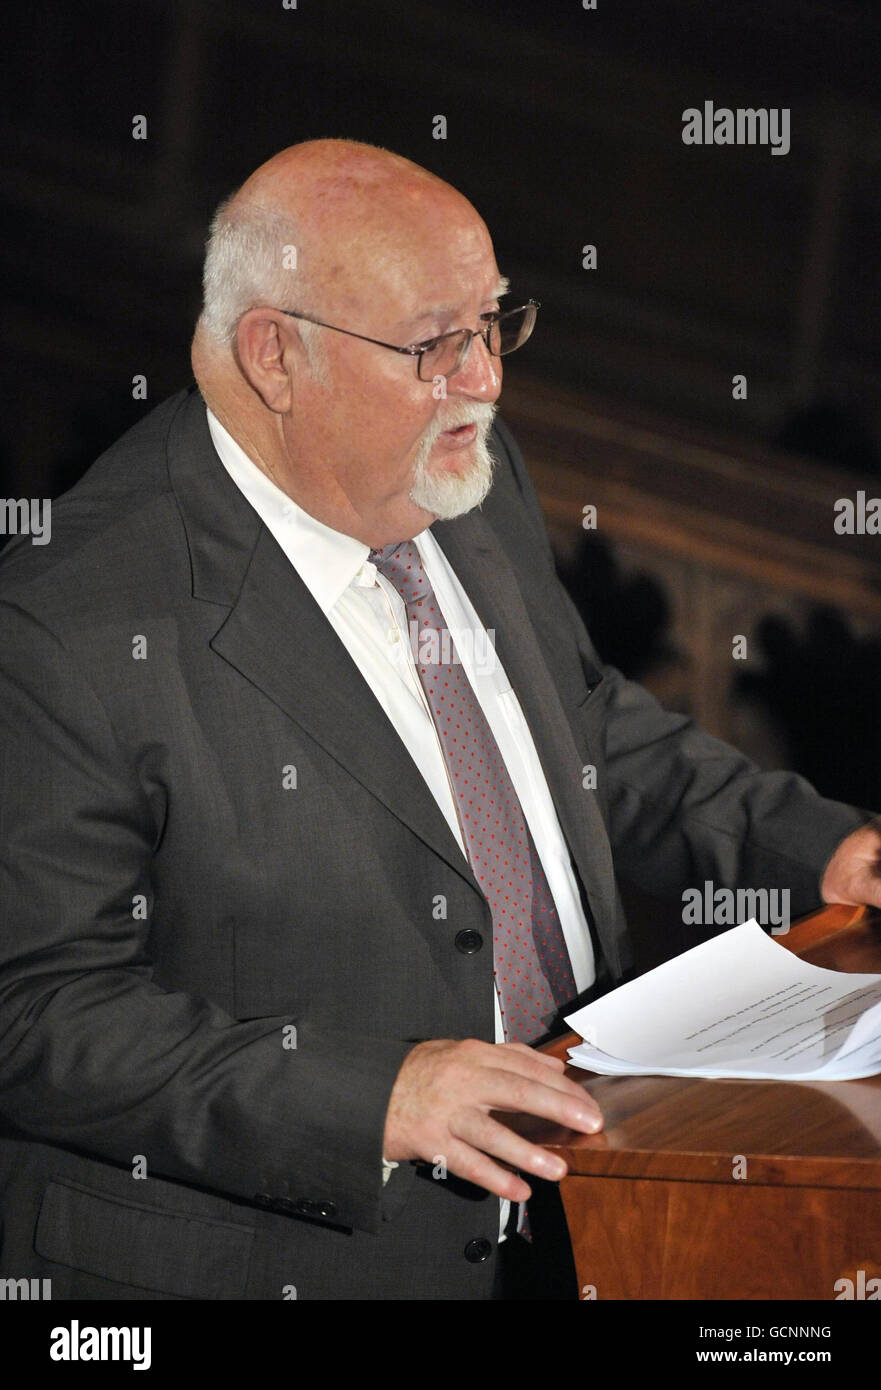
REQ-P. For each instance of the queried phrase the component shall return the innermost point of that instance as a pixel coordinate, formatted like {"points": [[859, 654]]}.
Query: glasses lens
{"points": [[445, 357], [511, 330]]}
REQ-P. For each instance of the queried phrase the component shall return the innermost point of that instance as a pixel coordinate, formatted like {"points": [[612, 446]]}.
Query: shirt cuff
{"points": [[387, 1166]]}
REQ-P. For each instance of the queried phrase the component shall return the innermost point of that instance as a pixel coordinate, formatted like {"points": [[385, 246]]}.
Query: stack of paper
{"points": [[739, 1005]]}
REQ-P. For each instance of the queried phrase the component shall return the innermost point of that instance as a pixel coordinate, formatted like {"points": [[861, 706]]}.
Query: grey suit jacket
{"points": [[175, 897]]}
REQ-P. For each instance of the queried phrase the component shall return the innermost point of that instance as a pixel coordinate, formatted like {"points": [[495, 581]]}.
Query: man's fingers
{"points": [[441, 1080], [571, 1106], [469, 1163], [556, 1063], [558, 1082], [526, 1062], [521, 1064], [484, 1133]]}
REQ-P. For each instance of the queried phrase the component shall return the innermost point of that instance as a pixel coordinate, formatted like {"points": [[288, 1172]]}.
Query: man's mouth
{"points": [[459, 437]]}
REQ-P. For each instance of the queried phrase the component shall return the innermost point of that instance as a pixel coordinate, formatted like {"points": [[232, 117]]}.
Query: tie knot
{"points": [[385, 553], [400, 563]]}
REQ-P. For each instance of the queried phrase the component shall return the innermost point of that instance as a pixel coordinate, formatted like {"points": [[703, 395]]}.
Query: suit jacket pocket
{"points": [[142, 1246], [593, 679], [591, 708]]}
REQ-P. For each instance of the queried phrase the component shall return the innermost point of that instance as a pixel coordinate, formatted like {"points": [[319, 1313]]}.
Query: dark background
{"points": [[564, 127]]}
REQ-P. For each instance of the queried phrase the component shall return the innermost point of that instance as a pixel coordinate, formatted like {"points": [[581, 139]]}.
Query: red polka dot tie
{"points": [[532, 967]]}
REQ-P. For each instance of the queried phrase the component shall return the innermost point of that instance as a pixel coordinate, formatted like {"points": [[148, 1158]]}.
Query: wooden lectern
{"points": [[703, 1189]]}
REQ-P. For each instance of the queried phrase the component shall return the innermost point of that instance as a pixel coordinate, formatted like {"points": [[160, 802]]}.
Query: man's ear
{"points": [[270, 354]]}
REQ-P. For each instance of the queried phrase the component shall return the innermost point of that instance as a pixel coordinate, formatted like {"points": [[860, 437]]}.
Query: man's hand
{"points": [[441, 1100], [853, 874]]}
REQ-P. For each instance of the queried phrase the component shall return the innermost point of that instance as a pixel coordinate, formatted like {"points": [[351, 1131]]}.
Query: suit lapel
{"points": [[279, 639], [274, 634]]}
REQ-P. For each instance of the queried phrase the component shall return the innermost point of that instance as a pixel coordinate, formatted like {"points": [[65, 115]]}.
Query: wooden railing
{"points": [[732, 532]]}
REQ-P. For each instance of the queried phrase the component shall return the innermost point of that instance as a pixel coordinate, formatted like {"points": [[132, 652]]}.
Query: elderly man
{"points": [[299, 856]]}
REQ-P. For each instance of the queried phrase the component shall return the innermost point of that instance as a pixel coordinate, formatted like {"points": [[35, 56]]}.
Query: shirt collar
{"points": [[326, 560]]}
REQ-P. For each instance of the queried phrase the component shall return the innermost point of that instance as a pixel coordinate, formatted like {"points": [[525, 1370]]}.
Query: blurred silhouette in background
{"points": [[822, 688]]}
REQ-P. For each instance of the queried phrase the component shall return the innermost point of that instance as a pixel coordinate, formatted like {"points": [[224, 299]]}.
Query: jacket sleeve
{"points": [[684, 807], [94, 1053]]}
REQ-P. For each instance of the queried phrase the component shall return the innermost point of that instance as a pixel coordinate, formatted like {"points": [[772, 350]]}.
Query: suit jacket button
{"points": [[478, 1250], [264, 1199], [285, 1205], [468, 942], [308, 1206]]}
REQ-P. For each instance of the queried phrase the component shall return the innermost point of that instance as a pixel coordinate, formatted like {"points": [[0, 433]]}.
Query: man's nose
{"points": [[480, 377]]}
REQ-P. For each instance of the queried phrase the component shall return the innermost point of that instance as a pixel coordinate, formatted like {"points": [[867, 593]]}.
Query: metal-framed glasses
{"points": [[501, 331]]}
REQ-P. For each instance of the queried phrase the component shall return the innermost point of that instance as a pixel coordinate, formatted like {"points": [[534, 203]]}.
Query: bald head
{"points": [[346, 196], [336, 177], [320, 221], [330, 168]]}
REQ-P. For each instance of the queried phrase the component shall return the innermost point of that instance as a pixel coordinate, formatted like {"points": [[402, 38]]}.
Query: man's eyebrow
{"points": [[449, 311]]}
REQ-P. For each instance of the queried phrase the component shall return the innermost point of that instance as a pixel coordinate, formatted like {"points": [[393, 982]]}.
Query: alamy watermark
{"points": [[77, 1343], [25, 1290], [27, 516], [432, 646], [746, 125], [729, 907], [857, 516]]}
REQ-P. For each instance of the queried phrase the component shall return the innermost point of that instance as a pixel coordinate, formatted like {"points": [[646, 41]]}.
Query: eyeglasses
{"points": [[445, 355]]}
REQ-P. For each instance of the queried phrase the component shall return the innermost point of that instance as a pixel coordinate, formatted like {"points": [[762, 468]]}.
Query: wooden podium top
{"points": [[810, 1133]]}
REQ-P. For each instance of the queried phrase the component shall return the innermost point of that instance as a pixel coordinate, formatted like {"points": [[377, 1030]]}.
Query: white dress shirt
{"points": [[370, 618]]}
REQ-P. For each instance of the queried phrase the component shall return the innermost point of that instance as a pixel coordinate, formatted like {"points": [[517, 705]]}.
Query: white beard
{"points": [[444, 494]]}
